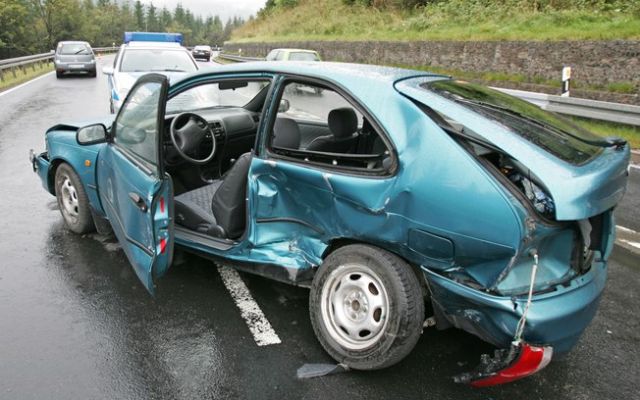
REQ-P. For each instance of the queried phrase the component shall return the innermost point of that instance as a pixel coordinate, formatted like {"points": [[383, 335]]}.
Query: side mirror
{"points": [[284, 105], [91, 134], [107, 70]]}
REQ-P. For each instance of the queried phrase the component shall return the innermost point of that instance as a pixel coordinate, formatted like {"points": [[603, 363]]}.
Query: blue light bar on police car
{"points": [[152, 37]]}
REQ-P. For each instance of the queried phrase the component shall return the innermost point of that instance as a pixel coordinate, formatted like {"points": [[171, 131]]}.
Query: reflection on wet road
{"points": [[76, 323]]}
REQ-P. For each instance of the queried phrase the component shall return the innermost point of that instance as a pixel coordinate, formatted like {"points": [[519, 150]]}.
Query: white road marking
{"points": [[630, 243], [25, 84], [622, 228], [258, 324]]}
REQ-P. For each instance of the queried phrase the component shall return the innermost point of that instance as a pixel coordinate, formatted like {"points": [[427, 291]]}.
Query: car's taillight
{"points": [[528, 360]]}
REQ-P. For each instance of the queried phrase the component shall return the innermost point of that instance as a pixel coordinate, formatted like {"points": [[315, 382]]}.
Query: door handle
{"points": [[138, 201]]}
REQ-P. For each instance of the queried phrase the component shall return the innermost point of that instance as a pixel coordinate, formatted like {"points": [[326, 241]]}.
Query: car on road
{"points": [[292, 55], [401, 198], [74, 57], [144, 52], [202, 53]]}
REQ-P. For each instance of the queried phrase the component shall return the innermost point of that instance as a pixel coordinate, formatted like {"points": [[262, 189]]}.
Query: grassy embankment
{"points": [[461, 20], [447, 20], [28, 73]]}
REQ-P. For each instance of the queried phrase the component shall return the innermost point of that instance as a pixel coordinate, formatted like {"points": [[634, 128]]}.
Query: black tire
{"points": [[399, 325], [58, 74], [93, 74], [72, 200]]}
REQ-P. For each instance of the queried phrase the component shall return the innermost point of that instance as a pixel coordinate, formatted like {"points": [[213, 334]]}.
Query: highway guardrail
{"points": [[20, 64], [232, 57]]}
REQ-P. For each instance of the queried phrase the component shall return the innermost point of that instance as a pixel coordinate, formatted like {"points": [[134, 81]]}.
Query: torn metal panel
{"points": [[556, 318]]}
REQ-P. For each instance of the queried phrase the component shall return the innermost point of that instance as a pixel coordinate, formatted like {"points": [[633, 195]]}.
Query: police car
{"points": [[144, 52]]}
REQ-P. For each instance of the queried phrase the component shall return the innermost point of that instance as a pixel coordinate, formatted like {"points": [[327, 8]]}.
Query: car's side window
{"points": [[280, 56], [137, 123], [318, 124]]}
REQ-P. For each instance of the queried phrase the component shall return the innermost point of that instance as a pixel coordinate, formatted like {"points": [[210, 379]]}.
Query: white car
{"points": [[142, 53]]}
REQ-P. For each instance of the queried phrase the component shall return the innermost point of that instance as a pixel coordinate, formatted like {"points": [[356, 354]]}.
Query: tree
{"points": [[57, 19], [165, 19], [152, 19], [138, 14]]}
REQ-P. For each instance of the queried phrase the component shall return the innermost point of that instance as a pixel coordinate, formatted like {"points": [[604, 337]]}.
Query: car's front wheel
{"points": [[366, 307], [72, 200]]}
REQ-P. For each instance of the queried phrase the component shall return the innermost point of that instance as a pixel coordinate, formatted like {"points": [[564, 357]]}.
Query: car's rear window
{"points": [[545, 129], [162, 60], [73, 48], [302, 56]]}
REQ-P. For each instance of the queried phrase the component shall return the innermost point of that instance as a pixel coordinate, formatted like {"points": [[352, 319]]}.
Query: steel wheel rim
{"points": [[70, 205], [355, 306]]}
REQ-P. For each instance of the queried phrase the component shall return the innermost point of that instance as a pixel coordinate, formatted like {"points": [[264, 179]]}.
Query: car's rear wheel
{"points": [[72, 200], [366, 307]]}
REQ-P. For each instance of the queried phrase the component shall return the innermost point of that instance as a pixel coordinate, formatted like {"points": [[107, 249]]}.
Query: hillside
{"points": [[284, 20]]}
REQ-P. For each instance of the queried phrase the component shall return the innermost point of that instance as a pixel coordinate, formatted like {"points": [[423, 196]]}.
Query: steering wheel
{"points": [[188, 131]]}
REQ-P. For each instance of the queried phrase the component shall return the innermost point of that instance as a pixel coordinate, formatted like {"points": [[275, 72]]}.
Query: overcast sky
{"points": [[223, 8]]}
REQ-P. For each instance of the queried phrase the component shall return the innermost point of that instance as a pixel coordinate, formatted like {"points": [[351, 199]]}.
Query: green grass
{"points": [[451, 20], [8, 81], [602, 128]]}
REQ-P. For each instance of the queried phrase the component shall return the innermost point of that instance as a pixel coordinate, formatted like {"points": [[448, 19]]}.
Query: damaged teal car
{"points": [[394, 195]]}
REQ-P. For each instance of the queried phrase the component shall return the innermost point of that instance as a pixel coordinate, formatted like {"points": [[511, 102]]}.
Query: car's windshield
{"points": [[210, 95], [74, 48], [547, 130], [202, 48], [143, 60], [302, 56]]}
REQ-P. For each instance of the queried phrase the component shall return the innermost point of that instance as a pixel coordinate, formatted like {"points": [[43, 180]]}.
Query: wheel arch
{"points": [[337, 243], [51, 175]]}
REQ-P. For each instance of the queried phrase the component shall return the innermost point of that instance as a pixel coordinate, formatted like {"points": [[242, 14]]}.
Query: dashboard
{"points": [[234, 129]]}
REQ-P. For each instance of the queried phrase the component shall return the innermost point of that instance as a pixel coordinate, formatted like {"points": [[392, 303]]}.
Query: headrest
{"points": [[286, 133], [343, 122]]}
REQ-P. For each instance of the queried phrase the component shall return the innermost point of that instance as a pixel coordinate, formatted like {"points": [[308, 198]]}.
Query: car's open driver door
{"points": [[135, 192]]}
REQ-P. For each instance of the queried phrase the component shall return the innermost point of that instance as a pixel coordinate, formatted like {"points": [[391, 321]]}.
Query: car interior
{"points": [[209, 144]]}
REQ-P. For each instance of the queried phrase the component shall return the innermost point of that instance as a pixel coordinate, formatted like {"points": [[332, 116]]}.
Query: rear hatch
{"points": [[74, 52], [584, 175]]}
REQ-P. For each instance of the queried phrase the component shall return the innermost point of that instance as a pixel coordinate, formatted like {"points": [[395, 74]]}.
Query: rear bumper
{"points": [[202, 56], [75, 67], [555, 319]]}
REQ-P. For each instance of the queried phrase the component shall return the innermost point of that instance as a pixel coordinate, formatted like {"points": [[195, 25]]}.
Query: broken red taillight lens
{"points": [[530, 360]]}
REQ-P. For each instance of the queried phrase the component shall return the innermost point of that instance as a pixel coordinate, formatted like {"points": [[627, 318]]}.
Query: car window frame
{"points": [[267, 130], [219, 77], [139, 161]]}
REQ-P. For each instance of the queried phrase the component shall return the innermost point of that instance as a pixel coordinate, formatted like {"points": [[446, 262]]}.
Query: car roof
{"points": [[296, 50], [340, 72], [154, 45], [72, 42]]}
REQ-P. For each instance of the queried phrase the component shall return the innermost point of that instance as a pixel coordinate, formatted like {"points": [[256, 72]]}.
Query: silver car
{"points": [[74, 57]]}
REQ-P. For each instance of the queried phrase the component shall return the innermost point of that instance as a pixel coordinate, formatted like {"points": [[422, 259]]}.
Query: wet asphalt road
{"points": [[76, 324]]}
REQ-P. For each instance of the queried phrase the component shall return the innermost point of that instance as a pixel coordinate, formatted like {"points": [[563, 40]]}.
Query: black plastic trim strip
{"points": [[289, 219]]}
